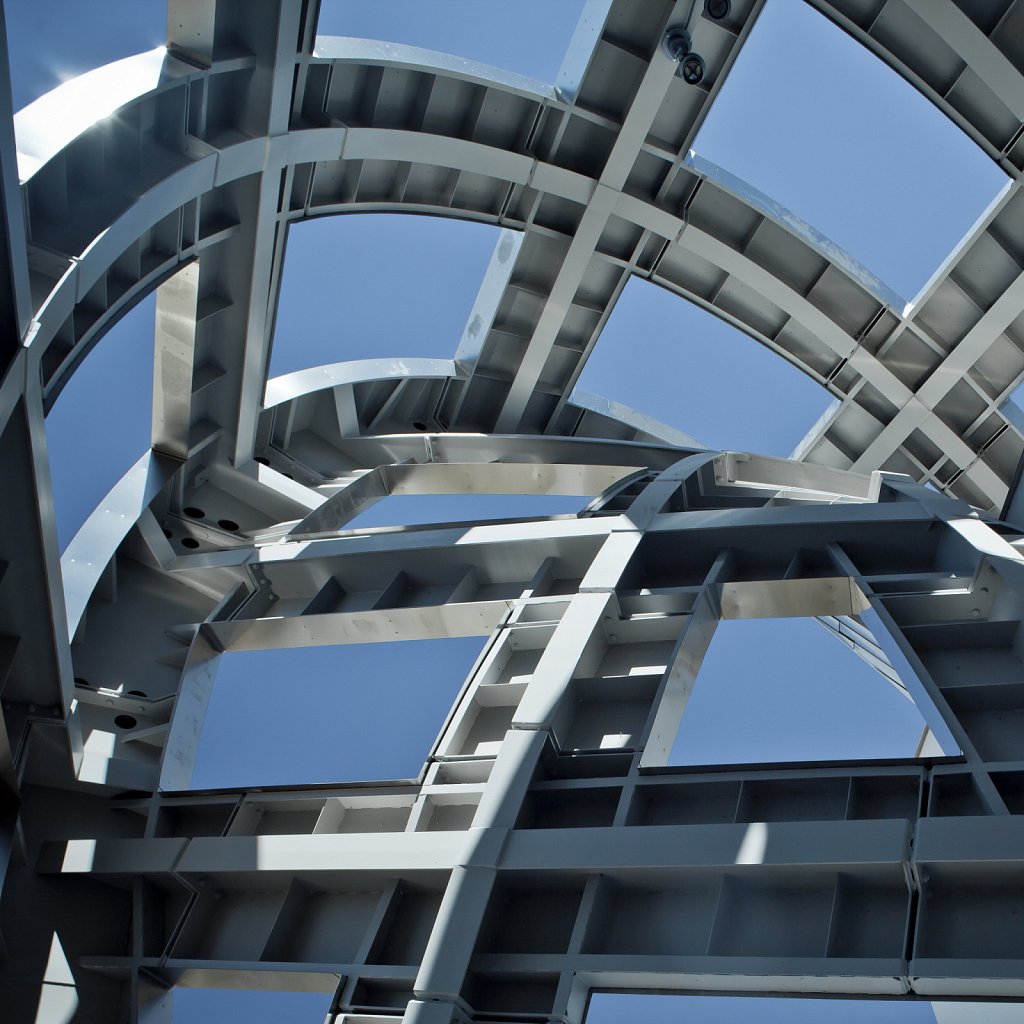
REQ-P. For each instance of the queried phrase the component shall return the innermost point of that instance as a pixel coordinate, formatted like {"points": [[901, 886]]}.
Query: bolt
{"points": [[716, 10], [691, 70], [676, 44]]}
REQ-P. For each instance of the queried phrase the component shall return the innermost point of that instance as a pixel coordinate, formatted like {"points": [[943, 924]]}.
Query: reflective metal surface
{"points": [[545, 849]]}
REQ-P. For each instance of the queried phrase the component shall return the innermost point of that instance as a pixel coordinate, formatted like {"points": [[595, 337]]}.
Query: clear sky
{"points": [[859, 155]]}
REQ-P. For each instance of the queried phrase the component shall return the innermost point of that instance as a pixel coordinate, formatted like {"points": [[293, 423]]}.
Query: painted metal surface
{"points": [[545, 849]]}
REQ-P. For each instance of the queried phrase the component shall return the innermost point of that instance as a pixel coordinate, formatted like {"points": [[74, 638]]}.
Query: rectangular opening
{"points": [[609, 1008], [780, 690], [347, 713], [421, 509]]}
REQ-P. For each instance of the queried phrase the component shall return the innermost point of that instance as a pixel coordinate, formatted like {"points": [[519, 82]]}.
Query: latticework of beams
{"points": [[545, 850]]}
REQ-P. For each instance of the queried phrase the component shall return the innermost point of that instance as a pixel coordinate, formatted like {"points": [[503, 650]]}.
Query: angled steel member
{"points": [[545, 849]]}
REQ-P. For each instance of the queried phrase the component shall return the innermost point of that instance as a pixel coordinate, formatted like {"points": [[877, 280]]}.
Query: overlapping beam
{"points": [[544, 789], [868, 323], [858, 879]]}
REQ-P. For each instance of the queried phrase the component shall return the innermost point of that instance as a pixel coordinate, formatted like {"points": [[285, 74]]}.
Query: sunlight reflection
{"points": [[755, 842], [46, 126], [58, 1000]]}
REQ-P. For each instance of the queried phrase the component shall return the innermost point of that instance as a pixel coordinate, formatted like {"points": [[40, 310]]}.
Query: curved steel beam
{"points": [[356, 145], [595, 619], [965, 63]]}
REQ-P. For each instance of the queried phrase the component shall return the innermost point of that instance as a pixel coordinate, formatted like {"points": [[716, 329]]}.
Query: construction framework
{"points": [[545, 850]]}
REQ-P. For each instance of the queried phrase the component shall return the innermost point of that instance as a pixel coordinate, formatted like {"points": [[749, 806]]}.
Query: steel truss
{"points": [[545, 850]]}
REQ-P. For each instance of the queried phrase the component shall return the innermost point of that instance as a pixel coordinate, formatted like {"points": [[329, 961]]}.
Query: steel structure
{"points": [[545, 850]]}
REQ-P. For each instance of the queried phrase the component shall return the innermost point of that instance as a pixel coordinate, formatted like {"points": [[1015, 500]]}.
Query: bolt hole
{"points": [[419, 425], [167, 533], [136, 693], [228, 524], [189, 542], [126, 721], [192, 512], [716, 10]]}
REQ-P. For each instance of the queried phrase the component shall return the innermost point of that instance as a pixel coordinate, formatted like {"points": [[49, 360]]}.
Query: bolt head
{"points": [[691, 69], [676, 44]]}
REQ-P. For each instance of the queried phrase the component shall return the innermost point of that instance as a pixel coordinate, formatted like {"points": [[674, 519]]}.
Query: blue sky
{"points": [[861, 156]]}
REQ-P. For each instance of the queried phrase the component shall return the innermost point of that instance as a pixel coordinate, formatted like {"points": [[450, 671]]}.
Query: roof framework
{"points": [[544, 850]]}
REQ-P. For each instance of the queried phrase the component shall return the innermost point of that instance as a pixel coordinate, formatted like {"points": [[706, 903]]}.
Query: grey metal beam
{"points": [[544, 849], [584, 268], [846, 378]]}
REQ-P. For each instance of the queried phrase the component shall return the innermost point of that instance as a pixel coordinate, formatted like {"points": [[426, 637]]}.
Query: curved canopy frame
{"points": [[181, 170], [906, 401]]}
